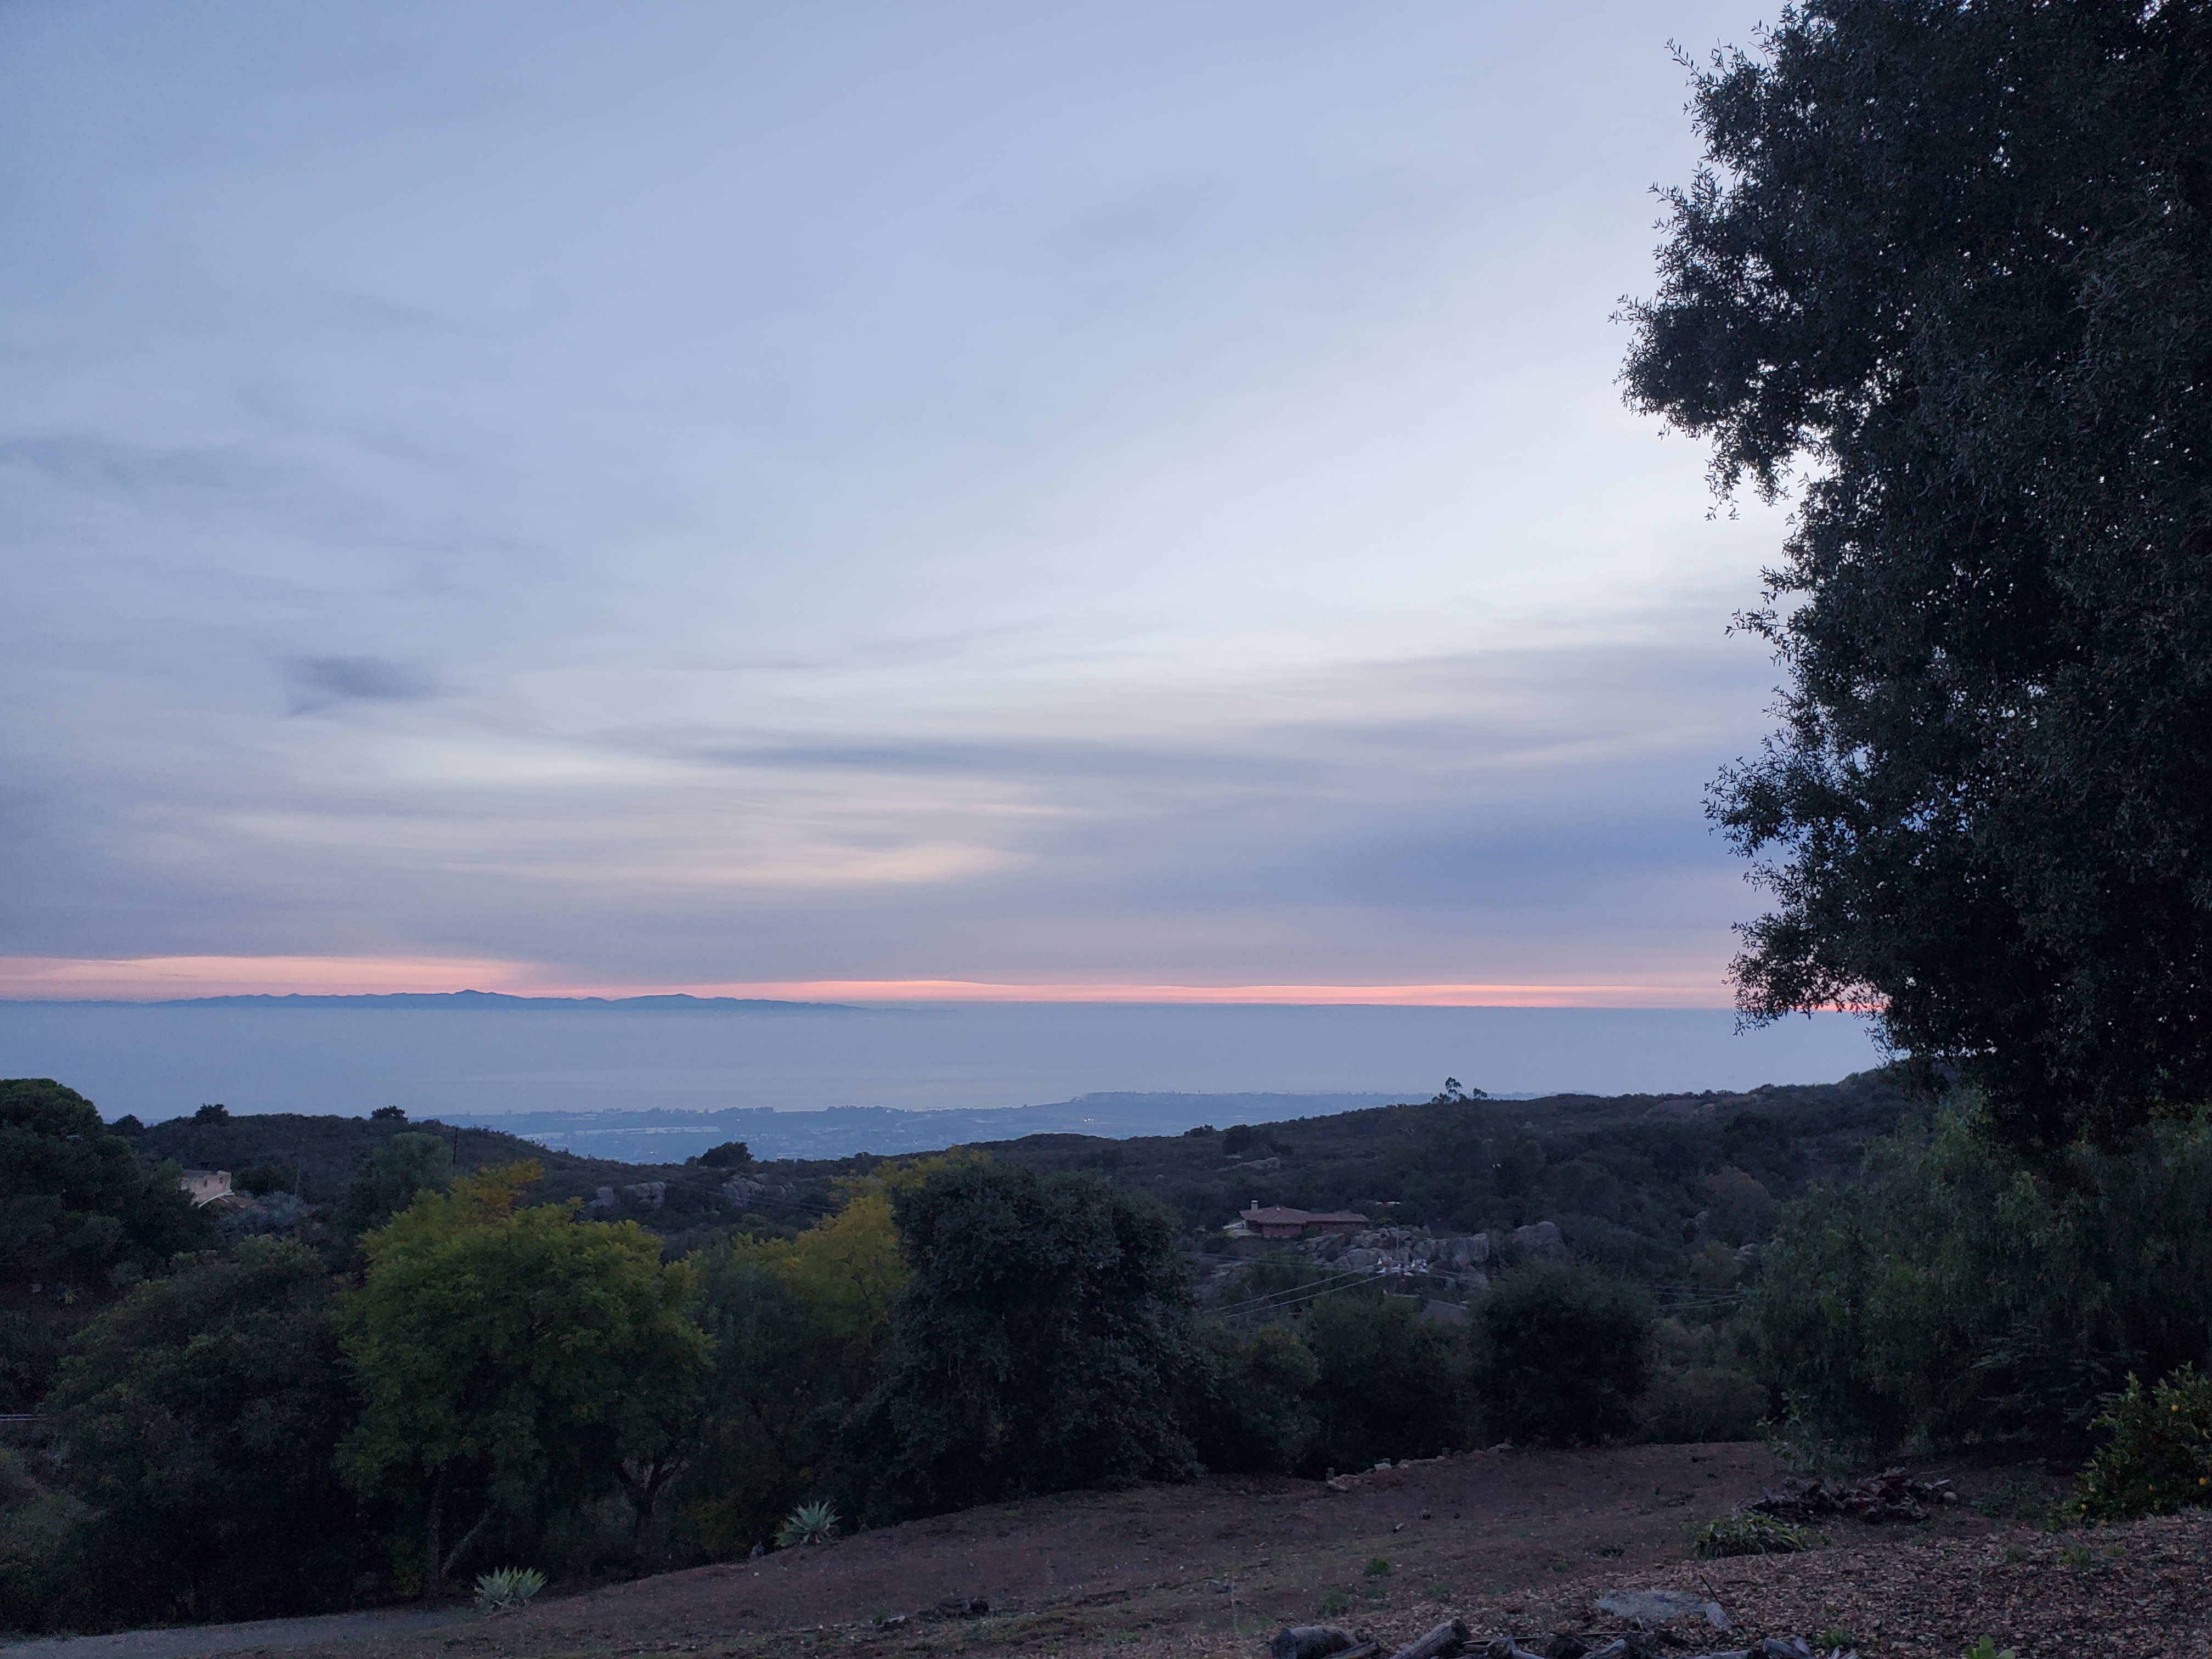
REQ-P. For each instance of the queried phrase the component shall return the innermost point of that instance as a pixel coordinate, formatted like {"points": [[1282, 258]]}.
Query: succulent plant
{"points": [[505, 1588], [809, 1524]]}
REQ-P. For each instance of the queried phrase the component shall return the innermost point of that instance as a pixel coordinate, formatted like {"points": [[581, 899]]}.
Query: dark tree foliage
{"points": [[79, 1218], [1254, 1413], [1391, 1383], [74, 1201], [1564, 1357], [410, 1163], [1965, 1295], [1044, 1343], [1954, 262], [201, 1414]]}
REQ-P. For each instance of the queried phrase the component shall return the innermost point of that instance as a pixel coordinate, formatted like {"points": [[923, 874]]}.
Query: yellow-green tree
{"points": [[799, 1328], [509, 1360]]}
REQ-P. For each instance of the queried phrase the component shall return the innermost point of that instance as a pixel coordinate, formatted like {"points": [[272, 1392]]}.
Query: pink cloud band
{"points": [[159, 978]]}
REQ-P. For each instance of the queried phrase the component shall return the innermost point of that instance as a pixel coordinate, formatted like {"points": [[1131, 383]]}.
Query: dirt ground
{"points": [[1511, 1541]]}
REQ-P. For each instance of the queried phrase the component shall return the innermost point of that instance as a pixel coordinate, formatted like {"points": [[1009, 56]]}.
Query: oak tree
{"points": [[1946, 277], [1044, 1342], [508, 1359]]}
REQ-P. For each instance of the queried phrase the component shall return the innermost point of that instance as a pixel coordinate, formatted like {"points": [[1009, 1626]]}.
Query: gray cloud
{"points": [[319, 682]]}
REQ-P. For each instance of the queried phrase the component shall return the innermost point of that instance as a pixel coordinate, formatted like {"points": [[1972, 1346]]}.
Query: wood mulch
{"points": [[2143, 1590]]}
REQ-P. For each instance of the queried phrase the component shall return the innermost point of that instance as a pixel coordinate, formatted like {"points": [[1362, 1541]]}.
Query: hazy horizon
{"points": [[159, 1060]]}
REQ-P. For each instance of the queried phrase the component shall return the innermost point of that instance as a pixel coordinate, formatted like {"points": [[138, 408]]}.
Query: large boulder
{"points": [[1658, 1607], [1307, 1642], [1539, 1241], [1470, 1252]]}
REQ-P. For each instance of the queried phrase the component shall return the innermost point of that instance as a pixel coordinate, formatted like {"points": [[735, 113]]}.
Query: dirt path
{"points": [[1511, 1541], [263, 1636]]}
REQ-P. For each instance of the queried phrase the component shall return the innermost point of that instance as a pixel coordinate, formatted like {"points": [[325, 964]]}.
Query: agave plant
{"points": [[507, 1587], [809, 1524]]}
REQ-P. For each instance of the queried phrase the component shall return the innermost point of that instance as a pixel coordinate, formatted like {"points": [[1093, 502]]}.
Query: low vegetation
{"points": [[2157, 1458], [1748, 1535], [1966, 1292]]}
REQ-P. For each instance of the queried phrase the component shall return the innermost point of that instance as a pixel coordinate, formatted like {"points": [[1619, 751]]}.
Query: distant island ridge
{"points": [[673, 1001]]}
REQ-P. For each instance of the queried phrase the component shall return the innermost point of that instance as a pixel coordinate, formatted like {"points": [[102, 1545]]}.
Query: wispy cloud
{"points": [[318, 683]]}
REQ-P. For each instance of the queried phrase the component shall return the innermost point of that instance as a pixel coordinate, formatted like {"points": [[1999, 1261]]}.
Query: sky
{"points": [[982, 500]]}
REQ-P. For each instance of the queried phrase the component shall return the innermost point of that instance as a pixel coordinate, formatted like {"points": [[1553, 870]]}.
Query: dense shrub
{"points": [[2159, 1458], [201, 1413], [1392, 1384], [1044, 1342], [1562, 1357], [1963, 1291], [1704, 1403], [36, 1523], [1255, 1413]]}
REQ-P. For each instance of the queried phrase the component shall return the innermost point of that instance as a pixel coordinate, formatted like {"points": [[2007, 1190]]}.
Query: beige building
{"points": [[205, 1186], [1280, 1223]]}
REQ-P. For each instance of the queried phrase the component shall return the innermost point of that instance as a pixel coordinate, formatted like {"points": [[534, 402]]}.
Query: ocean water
{"points": [[483, 1057]]}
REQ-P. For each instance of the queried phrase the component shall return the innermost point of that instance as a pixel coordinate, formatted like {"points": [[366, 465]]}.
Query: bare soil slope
{"points": [[1517, 1541]]}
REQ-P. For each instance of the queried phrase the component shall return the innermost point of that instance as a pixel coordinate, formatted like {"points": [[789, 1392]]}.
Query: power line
{"points": [[1295, 1294]]}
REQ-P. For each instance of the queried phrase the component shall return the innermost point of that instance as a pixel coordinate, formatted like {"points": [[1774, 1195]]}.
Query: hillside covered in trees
{"points": [[1640, 1183], [364, 1330]]}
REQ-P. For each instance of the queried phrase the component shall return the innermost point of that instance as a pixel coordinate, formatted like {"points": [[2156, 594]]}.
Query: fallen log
{"points": [[1442, 1642]]}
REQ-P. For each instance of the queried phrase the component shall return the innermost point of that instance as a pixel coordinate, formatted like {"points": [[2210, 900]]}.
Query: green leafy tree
{"points": [[38, 1520], [1955, 263], [1255, 1413], [201, 1413], [74, 1201], [1964, 1291], [1563, 1356], [411, 1162], [78, 1217], [800, 1328], [509, 1360], [1391, 1383], [762, 1436], [2157, 1457], [1044, 1342]]}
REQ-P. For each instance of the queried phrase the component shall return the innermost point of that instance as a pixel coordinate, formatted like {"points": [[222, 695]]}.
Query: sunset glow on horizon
{"points": [[179, 978]]}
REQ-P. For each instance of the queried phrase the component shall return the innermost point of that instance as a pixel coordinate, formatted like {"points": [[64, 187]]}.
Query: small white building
{"points": [[205, 1186]]}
